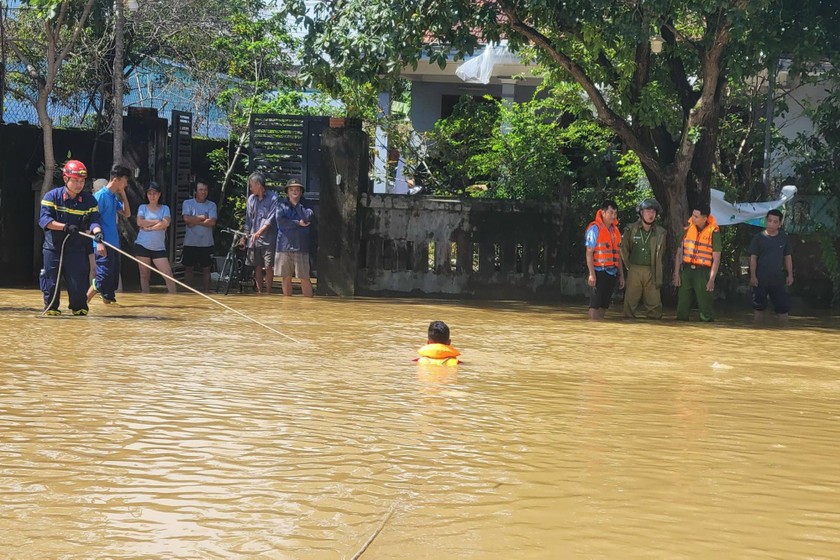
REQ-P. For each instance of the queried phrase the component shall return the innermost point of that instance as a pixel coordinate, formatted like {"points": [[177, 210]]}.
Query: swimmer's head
{"points": [[439, 333]]}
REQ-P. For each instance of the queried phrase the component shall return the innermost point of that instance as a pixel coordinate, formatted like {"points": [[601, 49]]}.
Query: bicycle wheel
{"points": [[232, 278], [223, 283]]}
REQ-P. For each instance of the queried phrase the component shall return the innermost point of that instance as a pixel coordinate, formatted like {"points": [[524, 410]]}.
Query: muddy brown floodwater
{"points": [[166, 427]]}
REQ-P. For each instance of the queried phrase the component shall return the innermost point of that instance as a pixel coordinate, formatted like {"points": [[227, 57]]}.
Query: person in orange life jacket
{"points": [[697, 263], [438, 349], [66, 211], [603, 258]]}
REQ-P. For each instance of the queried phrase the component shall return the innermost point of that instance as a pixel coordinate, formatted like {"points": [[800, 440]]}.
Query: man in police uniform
{"points": [[66, 211], [642, 246], [697, 263]]}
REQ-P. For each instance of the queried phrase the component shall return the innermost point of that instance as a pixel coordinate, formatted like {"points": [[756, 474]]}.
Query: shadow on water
{"points": [[35, 312]]}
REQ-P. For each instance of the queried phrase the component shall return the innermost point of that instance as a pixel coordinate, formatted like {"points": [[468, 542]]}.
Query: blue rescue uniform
{"points": [[59, 206]]}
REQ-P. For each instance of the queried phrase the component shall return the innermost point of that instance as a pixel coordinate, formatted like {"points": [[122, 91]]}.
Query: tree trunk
{"points": [[47, 133], [672, 194], [229, 172]]}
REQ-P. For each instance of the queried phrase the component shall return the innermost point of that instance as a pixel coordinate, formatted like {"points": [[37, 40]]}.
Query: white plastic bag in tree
{"points": [[478, 70]]}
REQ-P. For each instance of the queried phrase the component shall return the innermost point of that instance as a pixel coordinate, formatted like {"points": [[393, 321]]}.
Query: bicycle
{"points": [[234, 270]]}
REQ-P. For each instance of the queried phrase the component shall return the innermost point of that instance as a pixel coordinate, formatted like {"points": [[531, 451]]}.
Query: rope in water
{"points": [[217, 302], [57, 277]]}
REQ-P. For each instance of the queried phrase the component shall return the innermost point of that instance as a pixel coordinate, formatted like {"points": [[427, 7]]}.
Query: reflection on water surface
{"points": [[166, 427]]}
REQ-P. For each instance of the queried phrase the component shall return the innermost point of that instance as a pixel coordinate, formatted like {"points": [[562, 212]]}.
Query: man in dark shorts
{"points": [[200, 216], [771, 268], [603, 258]]}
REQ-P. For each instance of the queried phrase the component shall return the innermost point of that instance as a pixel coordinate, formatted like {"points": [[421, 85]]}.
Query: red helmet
{"points": [[75, 168]]}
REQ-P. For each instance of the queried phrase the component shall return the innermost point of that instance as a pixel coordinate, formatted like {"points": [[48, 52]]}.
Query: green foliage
{"points": [[233, 207], [549, 148], [666, 107]]}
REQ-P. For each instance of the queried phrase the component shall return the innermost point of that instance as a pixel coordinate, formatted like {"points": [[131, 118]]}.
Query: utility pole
{"points": [[117, 75], [2, 58], [772, 69]]}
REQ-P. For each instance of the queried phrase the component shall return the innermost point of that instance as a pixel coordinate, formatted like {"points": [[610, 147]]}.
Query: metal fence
{"points": [[159, 88]]}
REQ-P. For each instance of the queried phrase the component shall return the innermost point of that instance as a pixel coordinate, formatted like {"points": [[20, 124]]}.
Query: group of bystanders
{"points": [[277, 240]]}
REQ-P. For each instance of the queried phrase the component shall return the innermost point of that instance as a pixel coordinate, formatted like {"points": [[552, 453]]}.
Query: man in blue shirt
{"points": [[200, 216], [292, 258], [261, 230], [110, 199], [603, 259], [66, 211]]}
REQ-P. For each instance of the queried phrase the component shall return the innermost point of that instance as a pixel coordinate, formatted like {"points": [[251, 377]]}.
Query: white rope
{"points": [[217, 302]]}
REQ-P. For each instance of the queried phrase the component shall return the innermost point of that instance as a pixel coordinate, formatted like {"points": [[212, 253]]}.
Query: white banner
{"points": [[727, 213]]}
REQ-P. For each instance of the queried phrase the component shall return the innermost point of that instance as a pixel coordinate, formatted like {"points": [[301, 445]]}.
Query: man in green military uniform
{"points": [[697, 263], [642, 246]]}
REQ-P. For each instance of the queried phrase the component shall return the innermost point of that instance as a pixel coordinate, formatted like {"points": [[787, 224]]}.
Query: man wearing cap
{"points": [[261, 230], [293, 228], [65, 212], [111, 200], [642, 246], [697, 263]]}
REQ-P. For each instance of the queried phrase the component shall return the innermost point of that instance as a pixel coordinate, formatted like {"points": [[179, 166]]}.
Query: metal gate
{"points": [[287, 147], [181, 149]]}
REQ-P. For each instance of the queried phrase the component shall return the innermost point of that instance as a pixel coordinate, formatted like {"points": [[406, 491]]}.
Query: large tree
{"points": [[657, 72]]}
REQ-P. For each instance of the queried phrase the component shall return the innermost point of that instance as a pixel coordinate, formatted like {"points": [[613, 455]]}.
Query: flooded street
{"points": [[167, 427]]}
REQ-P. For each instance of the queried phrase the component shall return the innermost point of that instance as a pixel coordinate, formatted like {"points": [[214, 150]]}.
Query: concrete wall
{"points": [[478, 248]]}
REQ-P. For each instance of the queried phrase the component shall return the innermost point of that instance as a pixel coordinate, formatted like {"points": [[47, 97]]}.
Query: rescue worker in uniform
{"points": [[697, 263], [438, 349], [642, 246], [66, 211], [603, 258]]}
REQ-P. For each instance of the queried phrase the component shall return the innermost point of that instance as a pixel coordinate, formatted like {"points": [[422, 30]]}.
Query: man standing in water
{"points": [[603, 259], [200, 216], [697, 263], [292, 258], [111, 200], [771, 268], [642, 246], [260, 223], [65, 211]]}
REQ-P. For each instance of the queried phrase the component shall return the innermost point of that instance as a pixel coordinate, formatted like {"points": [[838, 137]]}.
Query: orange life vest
{"points": [[439, 355], [697, 245], [609, 239]]}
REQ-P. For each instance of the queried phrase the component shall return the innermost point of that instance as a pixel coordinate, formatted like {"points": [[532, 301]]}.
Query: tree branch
{"points": [[706, 109], [77, 30], [688, 97], [607, 115]]}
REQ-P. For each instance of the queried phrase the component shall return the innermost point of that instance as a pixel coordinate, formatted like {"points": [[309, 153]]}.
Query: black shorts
{"points": [[197, 256], [601, 295], [778, 295], [140, 251]]}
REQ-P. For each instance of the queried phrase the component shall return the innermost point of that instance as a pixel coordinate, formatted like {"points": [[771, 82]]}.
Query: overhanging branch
{"points": [[605, 113]]}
